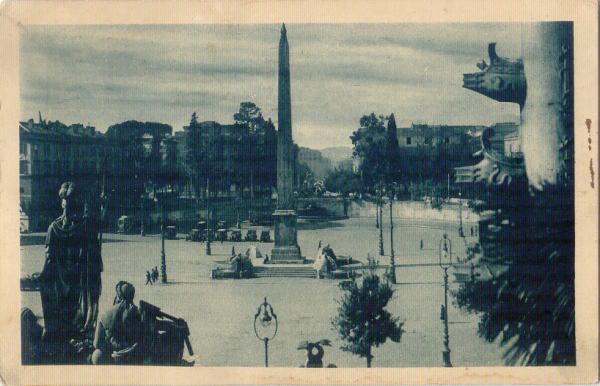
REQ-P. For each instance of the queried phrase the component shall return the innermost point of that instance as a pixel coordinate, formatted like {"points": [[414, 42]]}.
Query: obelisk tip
{"points": [[283, 30]]}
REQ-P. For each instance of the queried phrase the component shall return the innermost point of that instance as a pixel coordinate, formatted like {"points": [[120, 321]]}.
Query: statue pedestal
{"points": [[286, 249]]}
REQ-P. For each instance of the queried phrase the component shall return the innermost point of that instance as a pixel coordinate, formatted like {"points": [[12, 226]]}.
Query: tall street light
{"points": [[460, 229], [445, 263], [392, 257], [265, 326], [142, 230], [208, 251], [163, 262], [380, 214]]}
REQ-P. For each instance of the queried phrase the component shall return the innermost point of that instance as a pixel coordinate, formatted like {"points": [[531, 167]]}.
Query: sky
{"points": [[104, 75]]}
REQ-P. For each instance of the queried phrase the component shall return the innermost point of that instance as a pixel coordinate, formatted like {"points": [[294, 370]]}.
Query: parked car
{"points": [[198, 233], [265, 236], [171, 232], [222, 235], [251, 235], [195, 235], [126, 225], [236, 235]]}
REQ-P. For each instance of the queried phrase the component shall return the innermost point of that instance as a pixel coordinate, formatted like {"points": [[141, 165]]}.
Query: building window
{"points": [[408, 140]]}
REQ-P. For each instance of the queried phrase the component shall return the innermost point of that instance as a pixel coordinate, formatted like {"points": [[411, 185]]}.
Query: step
{"points": [[267, 274], [278, 271]]}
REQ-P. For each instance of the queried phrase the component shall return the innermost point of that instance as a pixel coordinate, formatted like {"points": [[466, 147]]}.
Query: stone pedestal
{"points": [[286, 249]]}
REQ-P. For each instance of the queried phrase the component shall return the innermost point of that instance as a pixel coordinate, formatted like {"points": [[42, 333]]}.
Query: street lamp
{"points": [[392, 257], [460, 229], [208, 251], [380, 214], [163, 262], [445, 263], [265, 326], [142, 230]]}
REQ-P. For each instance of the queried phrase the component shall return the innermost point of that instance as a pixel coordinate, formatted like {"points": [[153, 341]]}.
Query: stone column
{"points": [[286, 245]]}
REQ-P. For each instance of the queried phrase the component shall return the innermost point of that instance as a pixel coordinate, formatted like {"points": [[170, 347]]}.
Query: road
{"points": [[220, 312]]}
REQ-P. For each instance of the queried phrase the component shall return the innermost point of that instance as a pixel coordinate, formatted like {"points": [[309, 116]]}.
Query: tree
{"points": [[369, 143], [195, 155], [362, 320], [392, 150], [249, 115], [343, 181], [169, 167], [194, 120]]}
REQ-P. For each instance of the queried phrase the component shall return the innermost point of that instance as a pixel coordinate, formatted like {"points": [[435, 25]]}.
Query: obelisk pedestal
{"points": [[286, 249]]}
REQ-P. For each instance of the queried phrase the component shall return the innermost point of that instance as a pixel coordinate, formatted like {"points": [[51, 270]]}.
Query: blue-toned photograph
{"points": [[297, 195]]}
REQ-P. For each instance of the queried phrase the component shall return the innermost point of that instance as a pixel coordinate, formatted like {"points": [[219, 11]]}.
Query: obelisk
{"points": [[286, 248]]}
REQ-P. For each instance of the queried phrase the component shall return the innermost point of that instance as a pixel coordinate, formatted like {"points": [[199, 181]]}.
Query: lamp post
{"points": [[265, 326], [380, 214], [377, 216], [142, 230], [163, 260], [460, 229], [208, 251], [392, 257], [445, 263]]}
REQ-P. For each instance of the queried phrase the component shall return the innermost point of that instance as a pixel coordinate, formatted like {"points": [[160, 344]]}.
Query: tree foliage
{"points": [[529, 305], [392, 149], [250, 115], [243, 154], [362, 320], [369, 143], [343, 181]]}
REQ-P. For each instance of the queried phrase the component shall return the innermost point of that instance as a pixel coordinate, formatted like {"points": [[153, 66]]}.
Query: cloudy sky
{"points": [[103, 75]]}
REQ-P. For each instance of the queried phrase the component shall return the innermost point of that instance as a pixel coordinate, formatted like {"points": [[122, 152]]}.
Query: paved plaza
{"points": [[220, 312]]}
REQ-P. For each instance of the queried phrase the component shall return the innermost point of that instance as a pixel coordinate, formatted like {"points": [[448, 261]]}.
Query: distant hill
{"points": [[337, 154]]}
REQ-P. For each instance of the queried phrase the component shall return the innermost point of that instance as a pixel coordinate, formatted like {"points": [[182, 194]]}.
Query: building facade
{"points": [[50, 154]]}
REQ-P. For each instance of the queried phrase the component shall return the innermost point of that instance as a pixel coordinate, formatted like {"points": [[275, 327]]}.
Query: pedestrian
{"points": [[471, 231], [155, 274], [319, 246], [148, 278], [421, 244], [232, 251]]}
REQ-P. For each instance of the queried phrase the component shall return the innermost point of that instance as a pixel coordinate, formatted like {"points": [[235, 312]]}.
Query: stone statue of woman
{"points": [[70, 283]]}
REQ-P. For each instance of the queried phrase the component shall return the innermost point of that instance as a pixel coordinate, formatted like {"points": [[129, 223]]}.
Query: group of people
{"points": [[152, 276]]}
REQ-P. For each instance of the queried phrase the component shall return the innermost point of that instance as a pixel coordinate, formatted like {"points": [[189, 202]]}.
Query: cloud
{"points": [[107, 74]]}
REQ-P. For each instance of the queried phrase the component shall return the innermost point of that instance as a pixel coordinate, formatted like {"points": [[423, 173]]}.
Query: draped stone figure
{"points": [[70, 281]]}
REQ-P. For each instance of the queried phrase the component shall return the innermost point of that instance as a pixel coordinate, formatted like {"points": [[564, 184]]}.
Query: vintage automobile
{"points": [[236, 235], [193, 235], [251, 235], [265, 236], [171, 232], [221, 235], [198, 233], [31, 282], [126, 225]]}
